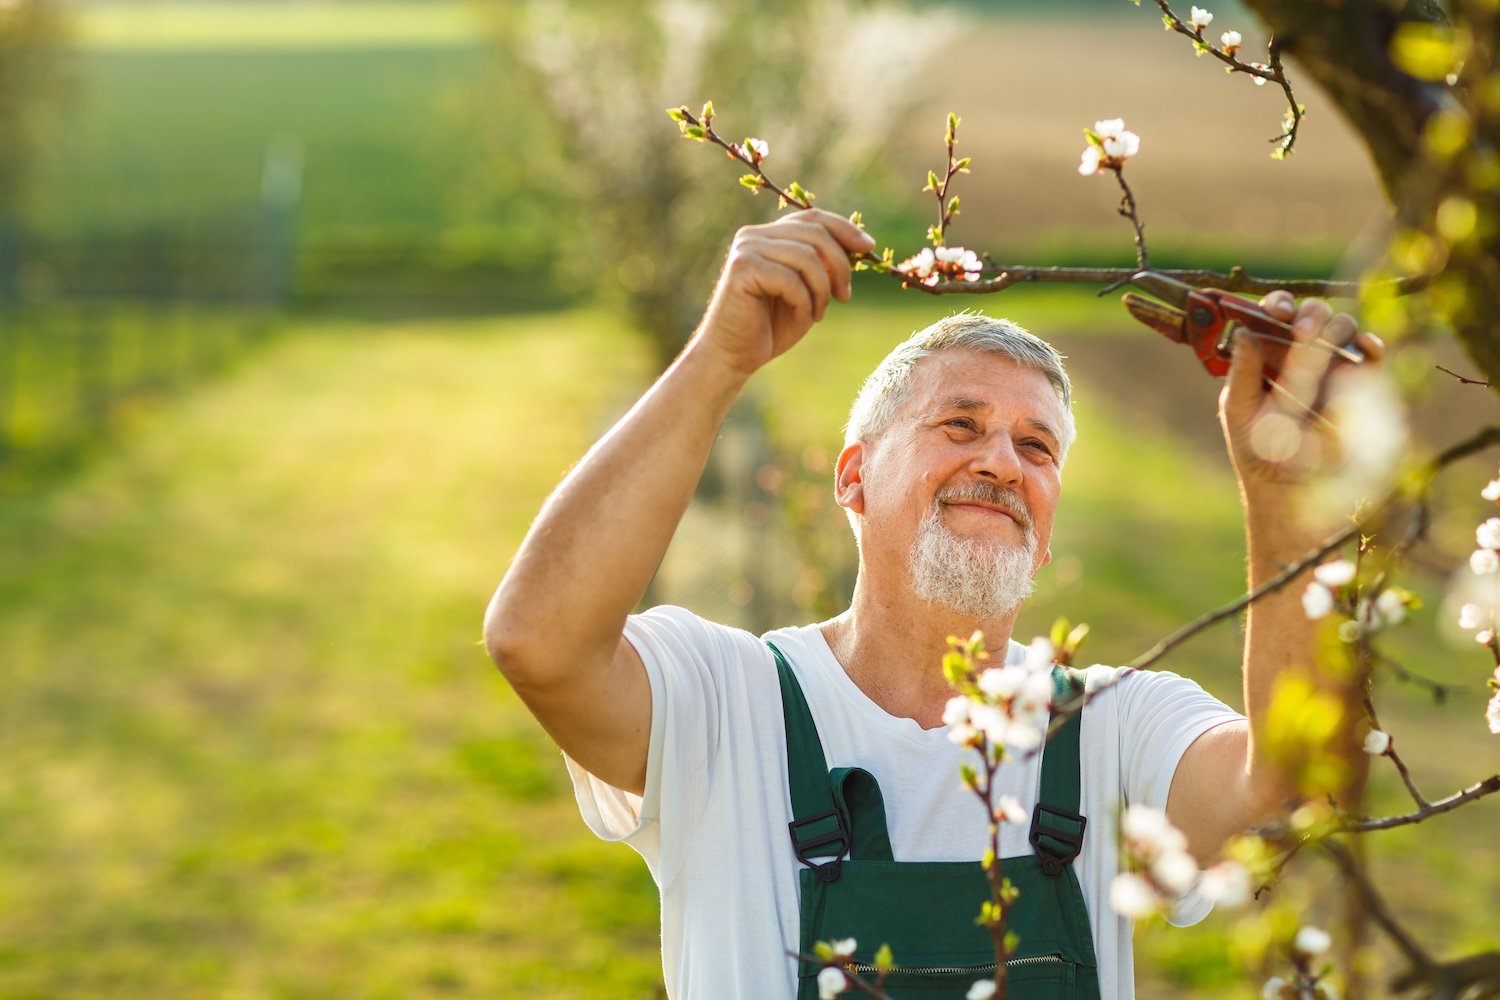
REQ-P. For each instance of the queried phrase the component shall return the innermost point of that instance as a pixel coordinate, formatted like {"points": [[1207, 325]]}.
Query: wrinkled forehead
{"points": [[976, 381]]}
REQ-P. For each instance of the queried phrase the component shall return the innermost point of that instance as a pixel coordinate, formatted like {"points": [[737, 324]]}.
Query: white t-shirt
{"points": [[712, 824]]}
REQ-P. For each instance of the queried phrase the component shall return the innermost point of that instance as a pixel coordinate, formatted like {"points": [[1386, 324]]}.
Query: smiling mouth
{"points": [[991, 500]]}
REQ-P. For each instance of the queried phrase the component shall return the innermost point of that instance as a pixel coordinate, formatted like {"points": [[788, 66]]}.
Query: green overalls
{"points": [[851, 886]]}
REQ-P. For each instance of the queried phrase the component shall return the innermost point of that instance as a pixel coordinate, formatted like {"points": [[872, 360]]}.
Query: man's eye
{"points": [[1039, 446], [963, 422]]}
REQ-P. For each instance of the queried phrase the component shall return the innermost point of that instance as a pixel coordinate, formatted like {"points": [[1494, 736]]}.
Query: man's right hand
{"points": [[776, 284]]}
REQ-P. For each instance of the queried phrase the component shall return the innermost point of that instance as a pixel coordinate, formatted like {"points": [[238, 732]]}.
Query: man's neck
{"points": [[892, 649]]}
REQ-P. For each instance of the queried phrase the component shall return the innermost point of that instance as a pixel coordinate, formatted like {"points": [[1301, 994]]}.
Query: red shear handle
{"points": [[1211, 315]]}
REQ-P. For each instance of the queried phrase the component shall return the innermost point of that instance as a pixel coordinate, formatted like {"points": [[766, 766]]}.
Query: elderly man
{"points": [[803, 787]]}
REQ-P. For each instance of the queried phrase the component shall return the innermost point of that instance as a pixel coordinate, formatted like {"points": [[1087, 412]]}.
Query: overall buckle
{"points": [[828, 870], [1071, 835]]}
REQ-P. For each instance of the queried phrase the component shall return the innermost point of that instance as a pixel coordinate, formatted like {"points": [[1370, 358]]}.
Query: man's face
{"points": [[967, 474]]}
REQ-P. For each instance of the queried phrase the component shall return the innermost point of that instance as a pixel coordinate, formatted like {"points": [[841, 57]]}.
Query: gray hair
{"points": [[889, 385]]}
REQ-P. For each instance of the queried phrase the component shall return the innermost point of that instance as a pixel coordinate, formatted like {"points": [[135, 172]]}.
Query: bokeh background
{"points": [[305, 306]]}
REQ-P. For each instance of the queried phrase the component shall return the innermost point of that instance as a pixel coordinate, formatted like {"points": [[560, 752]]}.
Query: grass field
{"points": [[254, 749]]}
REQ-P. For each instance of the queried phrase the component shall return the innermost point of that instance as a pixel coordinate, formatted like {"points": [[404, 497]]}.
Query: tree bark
{"points": [[1344, 47]]}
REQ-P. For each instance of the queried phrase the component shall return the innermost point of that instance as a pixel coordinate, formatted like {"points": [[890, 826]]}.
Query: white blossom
{"points": [[1491, 490], [831, 982], [1200, 18], [1390, 608], [1118, 147], [1484, 561], [1089, 164], [1130, 895], [1231, 41], [1312, 941], [1488, 534], [844, 947], [1001, 683], [921, 266], [759, 148], [982, 989], [1040, 655], [1377, 741], [1260, 81], [956, 711], [1227, 884], [1485, 636], [1472, 616], [1175, 870], [1272, 989], [1149, 828], [1492, 713], [1335, 574], [1010, 810], [1317, 601], [1109, 127]]}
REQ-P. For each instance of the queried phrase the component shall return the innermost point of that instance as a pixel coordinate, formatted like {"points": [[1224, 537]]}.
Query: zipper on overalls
{"points": [[862, 969]]}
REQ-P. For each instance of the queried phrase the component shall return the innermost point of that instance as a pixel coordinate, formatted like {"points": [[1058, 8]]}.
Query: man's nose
{"points": [[998, 461]]}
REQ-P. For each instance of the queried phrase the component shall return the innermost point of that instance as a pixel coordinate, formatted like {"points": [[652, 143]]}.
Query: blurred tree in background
{"points": [[31, 77], [598, 74]]}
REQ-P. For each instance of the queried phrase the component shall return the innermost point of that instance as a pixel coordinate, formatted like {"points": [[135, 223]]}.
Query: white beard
{"points": [[979, 578]]}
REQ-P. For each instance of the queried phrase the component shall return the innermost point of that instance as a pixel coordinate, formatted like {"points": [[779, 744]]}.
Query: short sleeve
{"points": [[686, 659], [1161, 714]]}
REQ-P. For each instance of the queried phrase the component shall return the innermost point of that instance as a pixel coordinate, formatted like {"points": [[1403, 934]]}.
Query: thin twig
{"points": [[1274, 72], [1462, 379], [1489, 786], [1375, 906], [1128, 210]]}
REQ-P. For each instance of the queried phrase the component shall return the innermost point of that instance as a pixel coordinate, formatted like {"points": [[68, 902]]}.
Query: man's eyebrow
{"points": [[1042, 427]]}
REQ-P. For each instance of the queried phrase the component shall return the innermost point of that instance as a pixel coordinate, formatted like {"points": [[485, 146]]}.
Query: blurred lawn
{"points": [[253, 747], [185, 24]]}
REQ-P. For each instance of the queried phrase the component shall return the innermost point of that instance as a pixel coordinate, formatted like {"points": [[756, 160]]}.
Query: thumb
{"points": [[1244, 388]]}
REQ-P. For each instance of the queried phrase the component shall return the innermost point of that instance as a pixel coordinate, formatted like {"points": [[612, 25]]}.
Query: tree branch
{"points": [[1489, 786]]}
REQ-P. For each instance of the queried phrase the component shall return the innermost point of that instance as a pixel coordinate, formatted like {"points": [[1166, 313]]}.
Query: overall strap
{"points": [[819, 828], [1056, 825]]}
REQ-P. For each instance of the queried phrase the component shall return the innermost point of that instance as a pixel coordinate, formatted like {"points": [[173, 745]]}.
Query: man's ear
{"points": [[1046, 557], [848, 478]]}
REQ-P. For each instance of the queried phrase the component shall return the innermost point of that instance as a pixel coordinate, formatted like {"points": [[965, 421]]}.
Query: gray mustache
{"points": [[1003, 497]]}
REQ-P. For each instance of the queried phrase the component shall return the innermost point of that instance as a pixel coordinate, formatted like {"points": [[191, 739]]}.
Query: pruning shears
{"points": [[1207, 319]]}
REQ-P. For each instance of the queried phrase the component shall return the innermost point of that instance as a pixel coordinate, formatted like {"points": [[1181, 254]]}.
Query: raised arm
{"points": [[1226, 782], [555, 625]]}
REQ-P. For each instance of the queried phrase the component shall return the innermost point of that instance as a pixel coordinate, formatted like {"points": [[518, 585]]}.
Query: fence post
{"points": [[280, 192]]}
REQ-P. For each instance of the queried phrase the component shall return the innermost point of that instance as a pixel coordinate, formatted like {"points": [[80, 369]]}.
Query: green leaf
{"points": [[750, 181], [1059, 633], [952, 208], [962, 166], [708, 112], [1011, 939], [695, 132], [1093, 138], [858, 218], [968, 775], [1200, 47], [823, 950], [884, 960], [1167, 22], [932, 181], [677, 114]]}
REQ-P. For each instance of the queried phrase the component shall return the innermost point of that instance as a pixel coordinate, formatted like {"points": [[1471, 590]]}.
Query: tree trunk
{"points": [[1344, 46]]}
